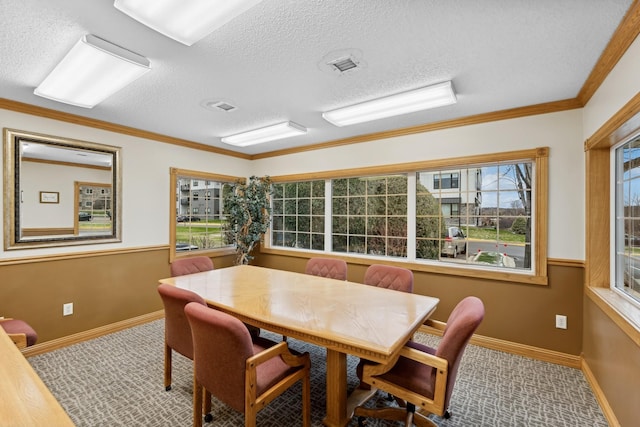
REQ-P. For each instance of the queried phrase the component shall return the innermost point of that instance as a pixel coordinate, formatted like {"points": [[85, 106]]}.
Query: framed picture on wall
{"points": [[49, 197]]}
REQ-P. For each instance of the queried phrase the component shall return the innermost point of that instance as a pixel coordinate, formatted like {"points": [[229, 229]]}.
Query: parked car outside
{"points": [[455, 242], [493, 258], [84, 216]]}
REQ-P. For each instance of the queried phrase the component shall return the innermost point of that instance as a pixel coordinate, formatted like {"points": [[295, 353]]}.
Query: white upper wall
{"points": [[561, 132], [145, 179], [619, 87]]}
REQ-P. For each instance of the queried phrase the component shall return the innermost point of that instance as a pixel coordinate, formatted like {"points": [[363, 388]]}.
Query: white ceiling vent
{"points": [[344, 64], [218, 106]]}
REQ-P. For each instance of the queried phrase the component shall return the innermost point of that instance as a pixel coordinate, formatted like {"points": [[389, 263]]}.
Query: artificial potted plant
{"points": [[247, 212]]}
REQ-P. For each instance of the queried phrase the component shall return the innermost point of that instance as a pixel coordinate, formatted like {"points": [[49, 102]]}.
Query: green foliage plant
{"points": [[519, 225], [247, 213]]}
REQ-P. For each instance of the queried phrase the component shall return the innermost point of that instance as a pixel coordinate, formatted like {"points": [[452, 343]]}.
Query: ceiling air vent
{"points": [[219, 106], [344, 64]]}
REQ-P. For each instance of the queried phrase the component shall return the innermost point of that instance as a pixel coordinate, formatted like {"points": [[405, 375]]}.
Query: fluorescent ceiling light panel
{"points": [[186, 21], [407, 102], [93, 70], [269, 133]]}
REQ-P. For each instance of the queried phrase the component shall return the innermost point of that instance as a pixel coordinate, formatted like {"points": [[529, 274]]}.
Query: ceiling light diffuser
{"points": [[186, 21], [269, 133], [93, 70], [407, 102]]}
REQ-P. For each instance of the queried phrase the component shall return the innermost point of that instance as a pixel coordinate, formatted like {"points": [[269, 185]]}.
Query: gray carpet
{"points": [[116, 380]]}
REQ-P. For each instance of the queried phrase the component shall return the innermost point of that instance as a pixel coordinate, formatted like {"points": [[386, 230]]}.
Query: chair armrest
{"points": [[371, 374], [435, 324], [425, 358], [280, 349]]}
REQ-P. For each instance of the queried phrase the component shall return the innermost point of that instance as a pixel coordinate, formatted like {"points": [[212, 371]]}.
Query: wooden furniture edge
{"points": [[58, 343], [531, 352]]}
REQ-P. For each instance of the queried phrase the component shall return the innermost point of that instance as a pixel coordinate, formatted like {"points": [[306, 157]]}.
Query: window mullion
{"points": [[411, 217], [328, 197]]}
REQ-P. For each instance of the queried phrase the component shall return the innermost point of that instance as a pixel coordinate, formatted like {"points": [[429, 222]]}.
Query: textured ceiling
{"points": [[271, 62]]}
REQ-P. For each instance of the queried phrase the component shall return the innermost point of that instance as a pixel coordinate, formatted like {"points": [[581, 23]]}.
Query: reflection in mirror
{"points": [[59, 191]]}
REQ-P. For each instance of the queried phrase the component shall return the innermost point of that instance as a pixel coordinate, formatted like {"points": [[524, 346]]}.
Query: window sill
{"points": [[624, 313], [212, 253], [452, 270]]}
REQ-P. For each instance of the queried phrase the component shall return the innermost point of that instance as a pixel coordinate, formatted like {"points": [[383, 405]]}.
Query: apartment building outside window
{"points": [[485, 216]]}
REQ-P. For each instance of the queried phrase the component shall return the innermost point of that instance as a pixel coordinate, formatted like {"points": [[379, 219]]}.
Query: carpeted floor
{"points": [[116, 380]]}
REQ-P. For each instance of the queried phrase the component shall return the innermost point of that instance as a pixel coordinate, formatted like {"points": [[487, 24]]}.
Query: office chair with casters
{"points": [[390, 277], [20, 332], [244, 372], [190, 265], [327, 267], [424, 377], [177, 333]]}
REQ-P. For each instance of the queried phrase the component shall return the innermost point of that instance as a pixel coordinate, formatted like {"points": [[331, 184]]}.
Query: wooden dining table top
{"points": [[345, 316], [24, 399]]}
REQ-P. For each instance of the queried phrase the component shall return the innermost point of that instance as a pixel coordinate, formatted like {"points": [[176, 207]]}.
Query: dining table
{"points": [[346, 318]]}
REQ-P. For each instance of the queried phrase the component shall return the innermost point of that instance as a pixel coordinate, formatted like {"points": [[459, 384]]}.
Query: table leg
{"points": [[336, 389]]}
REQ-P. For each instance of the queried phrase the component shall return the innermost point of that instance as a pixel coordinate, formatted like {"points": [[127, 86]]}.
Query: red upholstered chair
{"points": [[244, 372], [177, 333], [424, 377], [387, 276], [20, 332], [327, 267], [190, 265]]}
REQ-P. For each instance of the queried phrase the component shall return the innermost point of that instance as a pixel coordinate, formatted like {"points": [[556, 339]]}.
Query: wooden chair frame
{"points": [[253, 402]]}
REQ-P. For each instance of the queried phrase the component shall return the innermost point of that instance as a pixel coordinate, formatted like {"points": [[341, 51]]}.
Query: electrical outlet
{"points": [[67, 309], [561, 321]]}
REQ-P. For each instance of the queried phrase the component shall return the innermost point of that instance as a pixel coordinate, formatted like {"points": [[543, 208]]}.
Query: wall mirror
{"points": [[59, 191]]}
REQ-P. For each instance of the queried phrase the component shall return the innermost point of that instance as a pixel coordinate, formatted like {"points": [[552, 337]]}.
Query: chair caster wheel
{"points": [[167, 388], [362, 421], [446, 415], [208, 418]]}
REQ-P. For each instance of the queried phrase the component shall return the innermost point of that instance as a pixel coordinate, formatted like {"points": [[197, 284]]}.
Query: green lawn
{"points": [[492, 234]]}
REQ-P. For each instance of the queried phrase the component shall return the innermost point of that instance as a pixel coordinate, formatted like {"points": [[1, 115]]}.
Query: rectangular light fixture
{"points": [[93, 70], [186, 21], [407, 102], [269, 133]]}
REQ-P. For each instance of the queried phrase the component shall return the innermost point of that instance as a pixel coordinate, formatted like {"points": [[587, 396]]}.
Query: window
{"points": [[627, 218], [369, 215], [445, 180], [607, 219], [478, 216], [486, 221], [199, 220], [298, 215]]}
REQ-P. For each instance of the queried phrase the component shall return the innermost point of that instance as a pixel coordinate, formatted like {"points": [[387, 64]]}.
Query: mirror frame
{"points": [[13, 238]]}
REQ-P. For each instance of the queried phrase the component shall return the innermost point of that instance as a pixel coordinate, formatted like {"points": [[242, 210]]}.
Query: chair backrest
{"points": [[222, 344], [177, 332], [327, 267], [461, 325], [190, 265], [390, 277]]}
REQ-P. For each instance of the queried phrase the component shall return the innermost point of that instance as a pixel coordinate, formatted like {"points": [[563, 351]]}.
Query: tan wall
{"points": [[517, 313], [614, 360], [104, 288]]}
